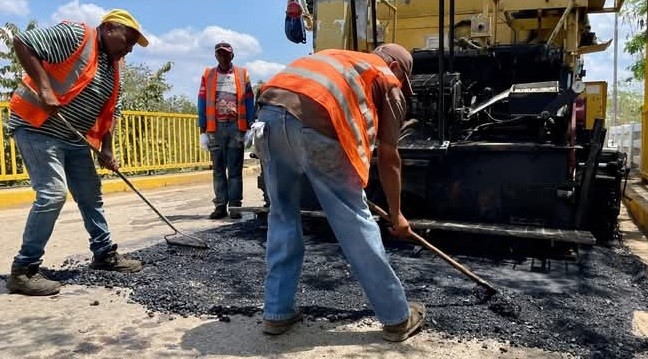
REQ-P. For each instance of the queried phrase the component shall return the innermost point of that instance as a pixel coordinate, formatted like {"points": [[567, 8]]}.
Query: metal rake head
{"points": [[183, 239]]}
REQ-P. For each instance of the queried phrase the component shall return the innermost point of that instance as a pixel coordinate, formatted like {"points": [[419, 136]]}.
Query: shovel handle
{"points": [[474, 277], [116, 171]]}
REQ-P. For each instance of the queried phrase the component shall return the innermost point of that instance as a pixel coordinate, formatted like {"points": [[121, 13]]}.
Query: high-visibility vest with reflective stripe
{"points": [[341, 81], [68, 79], [211, 85]]}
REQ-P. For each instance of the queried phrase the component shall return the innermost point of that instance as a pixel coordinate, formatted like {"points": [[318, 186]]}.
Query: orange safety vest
{"points": [[68, 79], [341, 81], [211, 84]]}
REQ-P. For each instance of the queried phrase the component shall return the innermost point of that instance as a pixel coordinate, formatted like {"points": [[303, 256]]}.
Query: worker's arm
{"points": [[202, 103], [32, 65], [390, 177], [40, 45], [249, 101], [392, 112], [107, 158]]}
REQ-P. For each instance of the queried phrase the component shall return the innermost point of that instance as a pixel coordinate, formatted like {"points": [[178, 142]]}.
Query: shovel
{"points": [[474, 277]]}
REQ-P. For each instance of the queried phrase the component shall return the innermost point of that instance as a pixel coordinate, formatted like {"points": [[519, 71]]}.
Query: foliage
{"points": [[11, 73], [10, 69], [143, 89], [179, 104], [629, 104], [634, 11]]}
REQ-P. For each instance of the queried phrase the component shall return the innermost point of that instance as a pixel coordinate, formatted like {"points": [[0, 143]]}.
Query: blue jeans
{"points": [[54, 166], [226, 147], [288, 151]]}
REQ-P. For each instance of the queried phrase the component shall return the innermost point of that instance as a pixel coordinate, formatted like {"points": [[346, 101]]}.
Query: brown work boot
{"points": [[219, 212], [276, 327], [113, 261], [402, 331], [28, 280]]}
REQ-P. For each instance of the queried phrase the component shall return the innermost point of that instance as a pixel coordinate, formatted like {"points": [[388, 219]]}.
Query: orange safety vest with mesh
{"points": [[68, 79], [211, 85], [341, 81]]}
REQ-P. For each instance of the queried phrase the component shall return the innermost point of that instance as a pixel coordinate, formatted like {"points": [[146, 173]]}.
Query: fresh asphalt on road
{"points": [[578, 309]]}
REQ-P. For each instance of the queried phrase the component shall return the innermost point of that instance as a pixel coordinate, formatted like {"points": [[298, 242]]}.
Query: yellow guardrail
{"points": [[144, 142], [644, 122], [643, 167]]}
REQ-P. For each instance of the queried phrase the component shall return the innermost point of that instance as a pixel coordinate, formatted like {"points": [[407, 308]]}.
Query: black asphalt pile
{"points": [[584, 309]]}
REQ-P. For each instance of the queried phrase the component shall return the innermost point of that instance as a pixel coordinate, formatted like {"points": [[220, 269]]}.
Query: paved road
{"points": [[103, 323], [131, 221]]}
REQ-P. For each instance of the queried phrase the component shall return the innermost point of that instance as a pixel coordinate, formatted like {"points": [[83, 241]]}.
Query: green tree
{"points": [[10, 70], [629, 105], [179, 104], [634, 11], [143, 89], [11, 73]]}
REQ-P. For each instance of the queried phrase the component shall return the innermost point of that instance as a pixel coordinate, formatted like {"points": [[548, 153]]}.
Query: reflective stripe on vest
{"points": [[65, 77], [106, 118], [68, 79], [352, 76], [211, 86], [341, 81]]}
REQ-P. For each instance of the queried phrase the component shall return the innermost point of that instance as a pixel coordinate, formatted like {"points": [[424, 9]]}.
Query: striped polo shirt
{"points": [[55, 45]]}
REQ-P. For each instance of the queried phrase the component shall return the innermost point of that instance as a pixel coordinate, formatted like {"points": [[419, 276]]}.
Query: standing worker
{"points": [[321, 117], [71, 69], [225, 112]]}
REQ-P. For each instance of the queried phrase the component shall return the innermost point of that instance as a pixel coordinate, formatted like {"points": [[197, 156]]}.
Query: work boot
{"points": [[113, 261], [402, 331], [28, 280], [219, 212], [277, 327], [235, 214]]}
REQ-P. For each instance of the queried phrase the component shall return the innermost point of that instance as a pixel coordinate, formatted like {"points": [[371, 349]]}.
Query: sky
{"points": [[186, 31]]}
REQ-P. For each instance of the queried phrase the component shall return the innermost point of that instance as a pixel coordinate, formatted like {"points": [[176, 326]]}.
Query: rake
{"points": [[178, 238]]}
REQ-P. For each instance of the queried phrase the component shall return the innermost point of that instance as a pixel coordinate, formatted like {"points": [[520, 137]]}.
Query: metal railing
{"points": [[144, 142], [627, 138], [643, 165], [643, 168]]}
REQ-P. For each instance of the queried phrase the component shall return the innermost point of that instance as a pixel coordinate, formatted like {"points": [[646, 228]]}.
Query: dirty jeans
{"points": [[288, 151], [54, 166], [226, 147]]}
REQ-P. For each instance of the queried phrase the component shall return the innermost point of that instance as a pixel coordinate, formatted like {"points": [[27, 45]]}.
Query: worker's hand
{"points": [[108, 160], [400, 227], [204, 141], [49, 101]]}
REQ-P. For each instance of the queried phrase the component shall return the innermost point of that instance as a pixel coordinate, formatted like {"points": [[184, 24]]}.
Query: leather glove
{"points": [[204, 141]]}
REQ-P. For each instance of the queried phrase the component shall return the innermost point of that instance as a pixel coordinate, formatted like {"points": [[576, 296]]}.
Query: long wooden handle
{"points": [[477, 279], [116, 171]]}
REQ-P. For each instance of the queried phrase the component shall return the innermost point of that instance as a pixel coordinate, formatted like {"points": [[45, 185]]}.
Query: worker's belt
{"points": [[227, 120]]}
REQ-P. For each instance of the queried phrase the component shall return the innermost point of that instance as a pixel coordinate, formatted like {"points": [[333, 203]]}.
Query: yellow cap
{"points": [[125, 18]]}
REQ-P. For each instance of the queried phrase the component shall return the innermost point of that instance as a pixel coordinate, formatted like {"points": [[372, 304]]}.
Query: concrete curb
{"points": [[636, 201], [13, 197]]}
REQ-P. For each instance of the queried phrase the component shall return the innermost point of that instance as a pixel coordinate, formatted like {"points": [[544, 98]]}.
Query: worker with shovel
{"points": [[71, 69], [321, 117]]}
